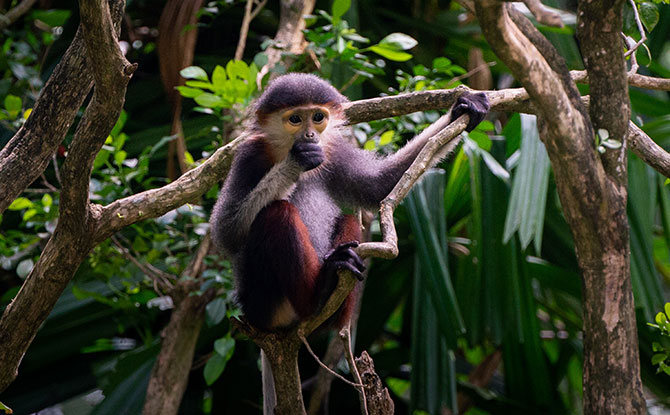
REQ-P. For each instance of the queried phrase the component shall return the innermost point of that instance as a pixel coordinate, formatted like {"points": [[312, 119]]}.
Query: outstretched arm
{"points": [[357, 177]]}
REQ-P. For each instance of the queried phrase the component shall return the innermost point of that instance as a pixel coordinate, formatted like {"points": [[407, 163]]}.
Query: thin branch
{"points": [[13, 15], [640, 28], [542, 14], [329, 370], [246, 21], [159, 276], [345, 336]]}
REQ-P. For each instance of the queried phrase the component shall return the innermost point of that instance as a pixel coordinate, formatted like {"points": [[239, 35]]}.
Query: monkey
{"points": [[280, 213]]}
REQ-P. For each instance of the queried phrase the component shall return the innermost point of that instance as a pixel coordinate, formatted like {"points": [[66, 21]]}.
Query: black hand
{"points": [[344, 257], [475, 105], [308, 155]]}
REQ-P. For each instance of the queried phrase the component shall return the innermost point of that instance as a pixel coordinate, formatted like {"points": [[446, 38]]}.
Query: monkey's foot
{"points": [[344, 257]]}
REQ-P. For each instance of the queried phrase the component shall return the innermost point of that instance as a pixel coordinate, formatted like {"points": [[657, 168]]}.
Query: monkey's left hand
{"points": [[344, 257], [475, 105]]}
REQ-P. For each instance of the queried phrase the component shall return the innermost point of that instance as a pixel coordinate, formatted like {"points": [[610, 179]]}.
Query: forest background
{"points": [[482, 310]]}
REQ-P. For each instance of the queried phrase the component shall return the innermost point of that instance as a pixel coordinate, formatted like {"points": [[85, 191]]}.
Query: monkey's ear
{"points": [[475, 105]]}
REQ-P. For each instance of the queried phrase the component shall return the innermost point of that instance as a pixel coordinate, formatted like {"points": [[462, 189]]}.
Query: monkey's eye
{"points": [[295, 119], [318, 117]]}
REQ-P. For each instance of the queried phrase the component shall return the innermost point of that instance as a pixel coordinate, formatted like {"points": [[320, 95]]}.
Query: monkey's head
{"points": [[298, 107]]}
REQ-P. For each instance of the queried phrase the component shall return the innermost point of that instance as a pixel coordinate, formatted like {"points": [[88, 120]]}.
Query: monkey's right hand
{"points": [[307, 155], [344, 257]]}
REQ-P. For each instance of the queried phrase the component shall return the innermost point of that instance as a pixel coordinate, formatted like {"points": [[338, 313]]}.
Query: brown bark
{"points": [[72, 239], [612, 382], [169, 376], [289, 37], [592, 192], [378, 399], [28, 153]]}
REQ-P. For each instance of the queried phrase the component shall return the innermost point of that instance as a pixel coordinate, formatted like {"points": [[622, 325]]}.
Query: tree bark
{"points": [[73, 237], [612, 382], [592, 191]]}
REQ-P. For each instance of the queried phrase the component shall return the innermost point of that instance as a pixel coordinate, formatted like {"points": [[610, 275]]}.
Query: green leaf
{"points": [[20, 203], [390, 53], [658, 358], [649, 14], [667, 309], [219, 76], [339, 8], [237, 69], [209, 100], [201, 85], [119, 156], [660, 318], [386, 137], [656, 346], [6, 408], [194, 72], [28, 214], [54, 17], [216, 311], [399, 41], [225, 346], [13, 105], [214, 368], [189, 92], [369, 145]]}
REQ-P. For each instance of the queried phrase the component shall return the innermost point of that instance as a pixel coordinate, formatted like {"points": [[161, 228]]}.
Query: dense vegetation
{"points": [[480, 312]]}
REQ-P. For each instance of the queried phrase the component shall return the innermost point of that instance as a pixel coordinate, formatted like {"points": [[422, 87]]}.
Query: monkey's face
{"points": [[305, 123]]}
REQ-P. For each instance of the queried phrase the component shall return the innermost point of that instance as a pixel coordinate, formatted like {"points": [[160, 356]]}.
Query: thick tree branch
{"points": [[72, 239], [28, 153]]}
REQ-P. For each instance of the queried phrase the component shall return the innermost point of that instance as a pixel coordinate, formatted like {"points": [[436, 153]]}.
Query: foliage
{"points": [[504, 279], [661, 358]]}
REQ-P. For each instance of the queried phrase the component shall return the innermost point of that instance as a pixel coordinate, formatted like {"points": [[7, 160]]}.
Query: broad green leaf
{"points": [[54, 17], [13, 104], [214, 368], [209, 100], [216, 311], [201, 85], [399, 41], [525, 212], [660, 318], [219, 76], [189, 92], [339, 8], [386, 137], [658, 358], [649, 14], [237, 69], [194, 72], [225, 347], [390, 53], [28, 214], [20, 203]]}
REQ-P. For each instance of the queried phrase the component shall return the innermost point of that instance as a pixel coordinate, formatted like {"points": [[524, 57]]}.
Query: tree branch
{"points": [[28, 152], [647, 150], [13, 15], [73, 237]]}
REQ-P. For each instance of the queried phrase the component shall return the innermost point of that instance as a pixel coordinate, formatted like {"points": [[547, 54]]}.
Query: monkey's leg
{"points": [[347, 229], [278, 269]]}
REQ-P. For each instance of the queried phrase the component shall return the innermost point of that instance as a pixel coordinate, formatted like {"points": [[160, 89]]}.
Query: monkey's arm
{"points": [[252, 183], [357, 177]]}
